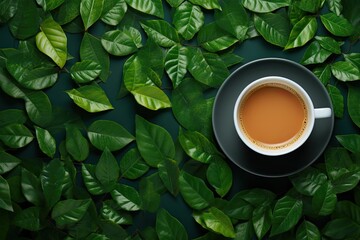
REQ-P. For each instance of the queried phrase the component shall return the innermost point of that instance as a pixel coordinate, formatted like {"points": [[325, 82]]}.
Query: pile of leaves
{"points": [[84, 176]]}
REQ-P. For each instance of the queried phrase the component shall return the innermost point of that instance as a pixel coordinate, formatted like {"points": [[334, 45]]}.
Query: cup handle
{"points": [[322, 112]]}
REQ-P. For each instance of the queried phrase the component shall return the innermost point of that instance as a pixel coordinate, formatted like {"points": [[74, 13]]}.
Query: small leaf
{"points": [[315, 54], [335, 6], [353, 104], [92, 184], [107, 170], [161, 32], [151, 97], [52, 41], [113, 12], [337, 100], [31, 187], [25, 22], [5, 197], [132, 165], [345, 71], [85, 71], [46, 142], [188, 19], [231, 59], [108, 134], [8, 162], [176, 62], [354, 58], [302, 32], [68, 11], [307, 231], [28, 219], [346, 182], [109, 211], [169, 228], [90, 11], [49, 5], [91, 98], [337, 25], [150, 193], [219, 175], [261, 219], [152, 7], [324, 200], [76, 144], [323, 73], [15, 135], [208, 4], [121, 42], [169, 174], [337, 162], [264, 6], [69, 211], [38, 108], [329, 44], [126, 197], [174, 3]]}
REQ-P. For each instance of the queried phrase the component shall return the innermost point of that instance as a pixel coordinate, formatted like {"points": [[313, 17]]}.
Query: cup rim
{"points": [[304, 136]]}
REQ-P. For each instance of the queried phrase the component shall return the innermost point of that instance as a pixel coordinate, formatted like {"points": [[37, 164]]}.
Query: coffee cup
{"points": [[274, 115]]}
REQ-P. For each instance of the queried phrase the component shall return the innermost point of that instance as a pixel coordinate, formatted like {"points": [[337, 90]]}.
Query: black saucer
{"points": [[237, 151]]}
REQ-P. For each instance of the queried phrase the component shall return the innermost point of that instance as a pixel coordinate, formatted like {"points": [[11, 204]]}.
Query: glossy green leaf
{"points": [[324, 200], [154, 142], [302, 32], [169, 174], [207, 4], [126, 197], [69, 211], [354, 58], [107, 170], [274, 28], [238, 208], [121, 42], [353, 104], [261, 220], [38, 108], [91, 49], [150, 192], [9, 86], [152, 56], [68, 11], [52, 41], [337, 25], [76, 144], [176, 62], [174, 3], [90, 11], [346, 181], [136, 74], [113, 11], [31, 187], [335, 6], [5, 197], [92, 184], [108, 134], [46, 141], [8, 162], [315, 54], [91, 98], [194, 191], [295, 14], [233, 18], [264, 6], [49, 5], [161, 32], [52, 177], [329, 44], [337, 162], [212, 38], [347, 209], [337, 100], [188, 19], [132, 165], [308, 181], [307, 231], [309, 6], [152, 7], [7, 10], [85, 71], [207, 68], [345, 71], [15, 135], [28, 219], [151, 97], [168, 227], [110, 211], [350, 141], [220, 176], [231, 59], [286, 214], [8, 116], [341, 228], [350, 10], [244, 231], [323, 73]]}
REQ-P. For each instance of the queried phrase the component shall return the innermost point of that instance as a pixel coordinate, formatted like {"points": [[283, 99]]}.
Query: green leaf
{"points": [[286, 214], [8, 116], [132, 165], [308, 6], [150, 192], [110, 212], [176, 62], [342, 228], [107, 170], [302, 32], [198, 147], [329, 44], [350, 10], [69, 211], [261, 219], [215, 220], [161, 32], [92, 184], [52, 41], [238, 208], [122, 42], [354, 58], [7, 10], [324, 200], [154, 142], [347, 209], [188, 19], [113, 12], [15, 135], [108, 134], [308, 181], [68, 11], [337, 100], [5, 197], [168, 227], [85, 71], [76, 143], [91, 49], [345, 71], [207, 4], [207, 68], [46, 141], [49, 5], [220, 176], [337, 25], [169, 174], [90, 11], [135, 74], [152, 7], [346, 182], [28, 219], [337, 162], [335, 6], [91, 98], [264, 6], [233, 18], [315, 54], [174, 3], [31, 187], [9, 86], [38, 108], [244, 231], [151, 97], [126, 197], [295, 14], [8, 162], [52, 177], [212, 38], [307, 231], [231, 59], [323, 73], [350, 141], [194, 191], [353, 104], [274, 28]]}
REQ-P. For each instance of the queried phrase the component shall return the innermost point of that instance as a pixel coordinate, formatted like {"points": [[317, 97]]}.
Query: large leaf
{"points": [[90, 11], [38, 108], [121, 42], [52, 41], [132, 165], [194, 191], [337, 100], [302, 32], [49, 5], [46, 141], [220, 176], [15, 135], [169, 174], [308, 231], [188, 19], [92, 184], [76, 143], [91, 98], [152, 7], [208, 4], [5, 197], [176, 62], [136, 74], [107, 170], [85, 71], [323, 73], [161, 32], [31, 187], [151, 97], [315, 54], [108, 134], [353, 104], [264, 6], [347, 209], [8, 162], [286, 214], [342, 228], [25, 22], [126, 197], [345, 71], [308, 181], [69, 211], [113, 11], [261, 219], [28, 219], [273, 27], [354, 58], [337, 25], [168, 227], [338, 162], [324, 200]]}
